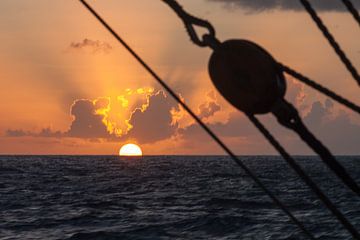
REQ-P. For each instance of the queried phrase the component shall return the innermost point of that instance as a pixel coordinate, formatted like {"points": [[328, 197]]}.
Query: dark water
{"points": [[105, 197]]}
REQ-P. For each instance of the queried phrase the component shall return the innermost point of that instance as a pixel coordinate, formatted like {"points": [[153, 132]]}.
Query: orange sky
{"points": [[64, 79]]}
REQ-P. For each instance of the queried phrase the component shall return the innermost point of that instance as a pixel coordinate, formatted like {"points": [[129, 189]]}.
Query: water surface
{"points": [[165, 197]]}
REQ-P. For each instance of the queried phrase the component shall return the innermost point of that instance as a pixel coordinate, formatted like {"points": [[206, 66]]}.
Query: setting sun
{"points": [[130, 150]]}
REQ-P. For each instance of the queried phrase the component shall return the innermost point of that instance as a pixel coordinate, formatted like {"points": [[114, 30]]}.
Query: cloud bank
{"points": [[261, 5], [156, 120], [336, 131], [87, 122], [152, 122]]}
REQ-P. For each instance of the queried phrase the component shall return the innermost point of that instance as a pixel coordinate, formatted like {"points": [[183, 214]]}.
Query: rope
{"points": [[331, 40], [304, 177], [211, 41], [352, 10], [288, 116], [198, 120], [191, 21], [320, 88]]}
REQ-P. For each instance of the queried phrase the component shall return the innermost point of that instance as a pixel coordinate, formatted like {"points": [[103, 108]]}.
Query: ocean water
{"points": [[166, 197]]}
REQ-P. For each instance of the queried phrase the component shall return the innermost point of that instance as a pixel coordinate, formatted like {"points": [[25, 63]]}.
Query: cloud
{"points": [[91, 46], [157, 120], [236, 126], [337, 131], [210, 107], [154, 122], [88, 122], [261, 5], [16, 133], [45, 132], [89, 119]]}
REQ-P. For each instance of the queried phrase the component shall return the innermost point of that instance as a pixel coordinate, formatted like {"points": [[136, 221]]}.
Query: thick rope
{"points": [[198, 120], [331, 40], [352, 10], [320, 88], [288, 116], [304, 176]]}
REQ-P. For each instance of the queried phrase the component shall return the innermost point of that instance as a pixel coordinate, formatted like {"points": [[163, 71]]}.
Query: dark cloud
{"points": [[88, 123], [16, 133], [45, 132], [236, 126], [155, 123], [295, 5], [338, 132], [48, 132], [92, 46]]}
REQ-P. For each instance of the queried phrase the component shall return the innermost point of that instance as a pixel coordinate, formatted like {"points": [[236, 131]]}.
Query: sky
{"points": [[68, 87]]}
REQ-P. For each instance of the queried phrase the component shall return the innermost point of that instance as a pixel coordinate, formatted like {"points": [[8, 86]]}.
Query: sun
{"points": [[130, 149]]}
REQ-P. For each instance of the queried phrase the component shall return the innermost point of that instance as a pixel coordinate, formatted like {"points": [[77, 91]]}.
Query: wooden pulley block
{"points": [[247, 76]]}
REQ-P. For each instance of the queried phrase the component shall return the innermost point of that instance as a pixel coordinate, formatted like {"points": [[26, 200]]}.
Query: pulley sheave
{"points": [[247, 76]]}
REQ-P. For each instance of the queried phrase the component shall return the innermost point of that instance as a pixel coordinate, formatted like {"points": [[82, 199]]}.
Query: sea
{"points": [[168, 197]]}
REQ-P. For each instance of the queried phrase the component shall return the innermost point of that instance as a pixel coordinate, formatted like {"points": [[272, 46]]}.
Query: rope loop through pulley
{"points": [[190, 22]]}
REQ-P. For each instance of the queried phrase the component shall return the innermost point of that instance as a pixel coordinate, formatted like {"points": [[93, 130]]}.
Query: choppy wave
{"points": [[105, 197]]}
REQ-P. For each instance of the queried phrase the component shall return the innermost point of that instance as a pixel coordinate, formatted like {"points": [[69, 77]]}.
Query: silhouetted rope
{"points": [[352, 10], [199, 121], [320, 88], [211, 41], [331, 40], [293, 164], [288, 116], [190, 21]]}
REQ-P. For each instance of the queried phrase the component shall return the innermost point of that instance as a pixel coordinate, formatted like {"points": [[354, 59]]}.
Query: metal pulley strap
{"points": [[199, 121], [288, 116], [331, 40]]}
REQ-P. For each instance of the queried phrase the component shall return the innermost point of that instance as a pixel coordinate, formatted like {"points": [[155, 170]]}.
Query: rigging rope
{"points": [[288, 116], [320, 88], [352, 10], [308, 7], [199, 121], [209, 40], [289, 121]]}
